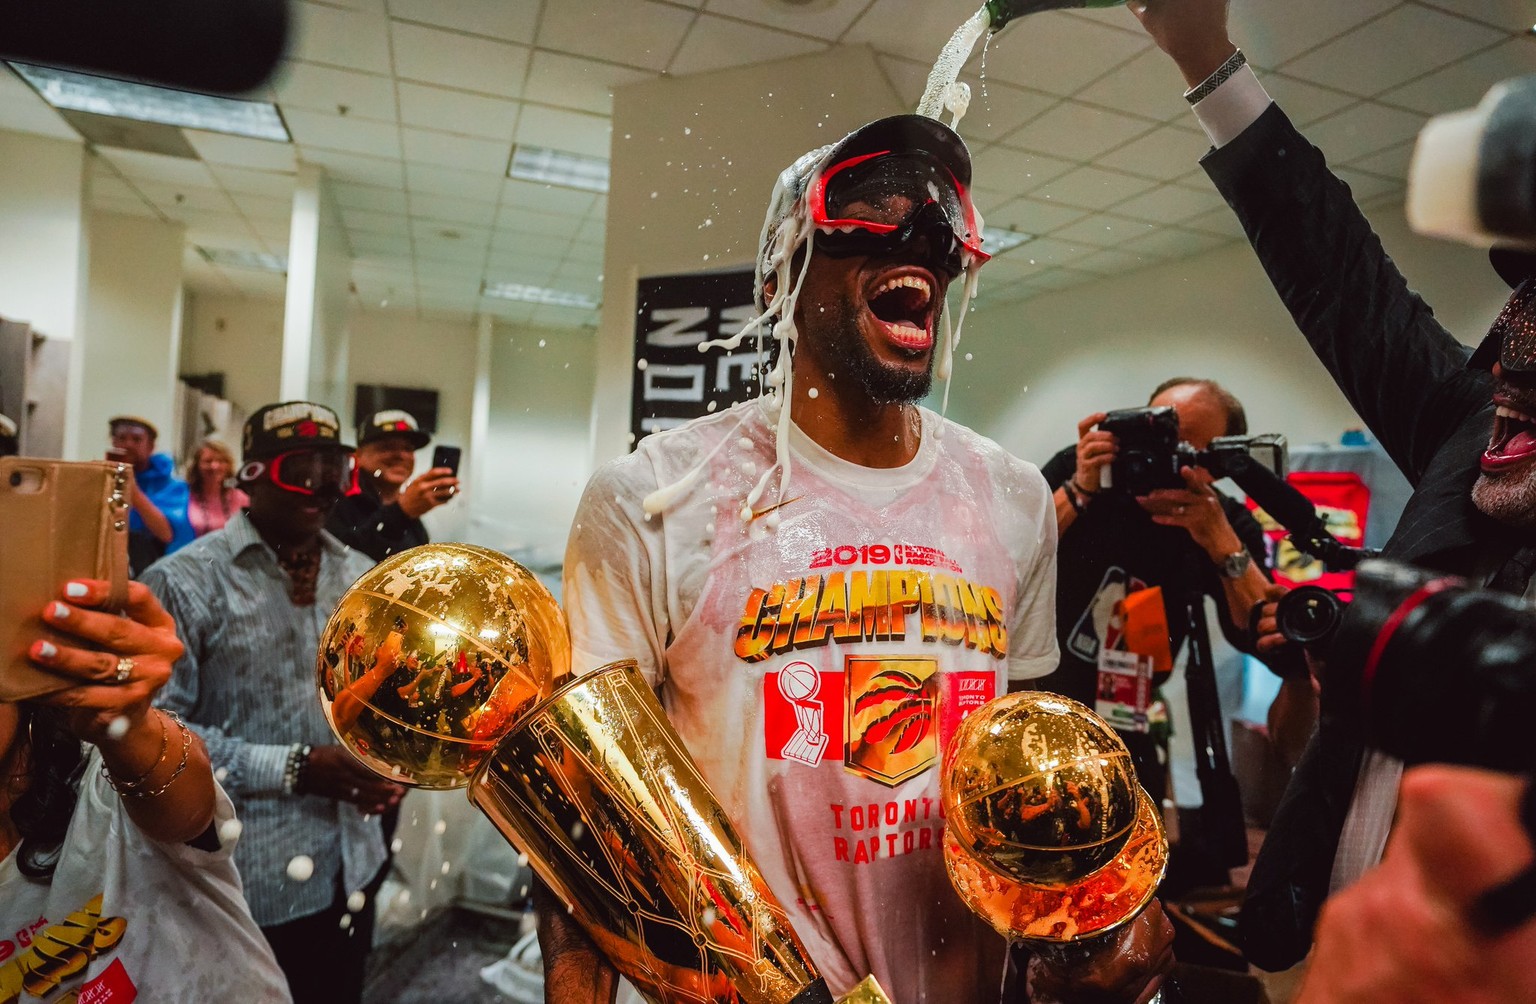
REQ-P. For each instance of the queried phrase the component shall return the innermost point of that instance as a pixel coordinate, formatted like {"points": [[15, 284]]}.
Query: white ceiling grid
{"points": [[1078, 129]]}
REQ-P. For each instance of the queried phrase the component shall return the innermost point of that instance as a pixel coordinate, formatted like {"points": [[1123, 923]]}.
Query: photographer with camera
{"points": [[1191, 541], [1462, 430]]}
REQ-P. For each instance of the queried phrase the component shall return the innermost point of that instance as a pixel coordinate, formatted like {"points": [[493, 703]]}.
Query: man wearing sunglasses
{"points": [[821, 581], [250, 602]]}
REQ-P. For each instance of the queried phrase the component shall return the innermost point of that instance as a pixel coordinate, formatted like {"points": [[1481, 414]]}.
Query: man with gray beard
{"points": [[1463, 431]]}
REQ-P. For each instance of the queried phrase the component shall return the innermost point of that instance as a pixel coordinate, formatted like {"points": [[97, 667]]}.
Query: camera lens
{"points": [[1308, 614]]}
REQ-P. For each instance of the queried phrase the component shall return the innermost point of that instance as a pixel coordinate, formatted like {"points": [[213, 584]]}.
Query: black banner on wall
{"points": [[674, 381]]}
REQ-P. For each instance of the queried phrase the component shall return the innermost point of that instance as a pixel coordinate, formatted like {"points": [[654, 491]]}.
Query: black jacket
{"points": [[1406, 376], [364, 523]]}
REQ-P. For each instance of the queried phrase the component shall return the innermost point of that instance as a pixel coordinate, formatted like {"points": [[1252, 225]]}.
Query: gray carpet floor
{"points": [[440, 962]]}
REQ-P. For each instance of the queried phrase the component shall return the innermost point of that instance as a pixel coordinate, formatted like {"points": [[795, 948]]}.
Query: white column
{"points": [[315, 333]]}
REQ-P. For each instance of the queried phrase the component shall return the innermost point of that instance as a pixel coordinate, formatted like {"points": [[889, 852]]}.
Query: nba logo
{"points": [[797, 685]]}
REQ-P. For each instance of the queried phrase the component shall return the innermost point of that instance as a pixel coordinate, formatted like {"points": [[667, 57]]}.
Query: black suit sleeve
{"points": [[1059, 469], [376, 530], [1399, 368]]}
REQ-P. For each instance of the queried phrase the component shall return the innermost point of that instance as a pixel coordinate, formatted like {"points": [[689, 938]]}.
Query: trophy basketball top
{"points": [[432, 655]]}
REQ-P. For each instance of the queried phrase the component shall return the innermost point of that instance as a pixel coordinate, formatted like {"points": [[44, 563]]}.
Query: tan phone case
{"points": [[58, 521]]}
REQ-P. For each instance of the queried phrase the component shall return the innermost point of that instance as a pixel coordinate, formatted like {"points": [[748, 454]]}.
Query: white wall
{"points": [[132, 340], [541, 404], [1040, 365], [43, 256], [239, 337]]}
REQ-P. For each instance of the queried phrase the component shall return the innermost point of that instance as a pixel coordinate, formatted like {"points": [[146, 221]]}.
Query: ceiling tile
{"points": [[1305, 103], [511, 22], [221, 230], [437, 257], [452, 210], [1113, 262], [1077, 131], [354, 40], [367, 221], [1104, 230], [238, 179], [826, 21], [350, 167], [1033, 216], [999, 109], [457, 111], [572, 82], [1050, 251], [1147, 84], [916, 31], [1170, 242], [177, 201], [263, 207], [1219, 222], [430, 179], [1368, 187], [1363, 129], [134, 206], [1171, 204], [1389, 163], [517, 195], [370, 197], [1015, 172], [1052, 54], [514, 226], [1510, 15], [21, 110], [1391, 50], [1164, 154], [463, 152], [1463, 83], [907, 77], [515, 266], [1271, 33], [242, 151], [316, 130], [1092, 188], [579, 278], [510, 311], [450, 59], [135, 165], [716, 43], [323, 88], [577, 132], [650, 34], [106, 187]]}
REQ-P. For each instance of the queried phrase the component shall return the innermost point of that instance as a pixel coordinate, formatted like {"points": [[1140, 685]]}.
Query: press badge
{"points": [[1125, 689]]}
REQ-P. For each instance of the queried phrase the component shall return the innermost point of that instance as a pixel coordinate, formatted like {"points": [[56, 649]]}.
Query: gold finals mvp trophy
{"points": [[1048, 836], [449, 666]]}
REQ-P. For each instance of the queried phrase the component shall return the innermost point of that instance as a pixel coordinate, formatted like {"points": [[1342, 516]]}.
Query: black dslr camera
{"points": [[1430, 667], [1150, 454]]}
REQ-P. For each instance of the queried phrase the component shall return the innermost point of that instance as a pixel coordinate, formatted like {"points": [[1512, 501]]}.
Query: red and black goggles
{"points": [[881, 202], [314, 472]]}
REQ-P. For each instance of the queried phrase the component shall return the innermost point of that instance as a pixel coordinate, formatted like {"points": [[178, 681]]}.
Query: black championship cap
{"points": [[292, 425], [391, 422]]}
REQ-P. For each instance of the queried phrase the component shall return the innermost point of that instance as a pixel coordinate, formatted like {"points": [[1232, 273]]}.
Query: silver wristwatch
{"points": [[1235, 565]]}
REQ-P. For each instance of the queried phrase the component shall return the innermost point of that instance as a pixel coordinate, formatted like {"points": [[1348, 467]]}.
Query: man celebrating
{"points": [[1460, 430], [821, 583], [382, 513], [159, 523], [250, 604]]}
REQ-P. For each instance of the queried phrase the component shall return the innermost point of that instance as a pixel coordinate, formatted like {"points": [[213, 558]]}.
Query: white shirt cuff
{"points": [[1232, 107]]}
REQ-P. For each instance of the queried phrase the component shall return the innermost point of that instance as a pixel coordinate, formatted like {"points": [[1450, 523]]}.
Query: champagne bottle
{"points": [[1003, 11]]}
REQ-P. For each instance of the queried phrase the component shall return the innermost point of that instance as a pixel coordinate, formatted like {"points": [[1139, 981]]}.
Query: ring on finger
{"points": [[1182, 509], [124, 669]]}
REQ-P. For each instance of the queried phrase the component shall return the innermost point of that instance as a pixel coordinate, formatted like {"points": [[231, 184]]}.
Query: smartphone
{"points": [[76, 521], [447, 456]]}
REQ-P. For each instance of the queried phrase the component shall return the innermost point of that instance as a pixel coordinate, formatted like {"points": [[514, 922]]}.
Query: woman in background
{"points": [[214, 498]]}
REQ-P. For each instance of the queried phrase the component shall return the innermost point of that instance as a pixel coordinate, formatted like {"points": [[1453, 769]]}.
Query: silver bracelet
{"points": [[1223, 73]]}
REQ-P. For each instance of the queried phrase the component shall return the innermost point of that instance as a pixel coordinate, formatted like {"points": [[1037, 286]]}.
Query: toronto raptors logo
{"points": [[892, 709], [799, 683]]}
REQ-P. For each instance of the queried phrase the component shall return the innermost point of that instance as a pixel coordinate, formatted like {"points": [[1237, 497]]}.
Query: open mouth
{"points": [[903, 305], [1513, 441]]}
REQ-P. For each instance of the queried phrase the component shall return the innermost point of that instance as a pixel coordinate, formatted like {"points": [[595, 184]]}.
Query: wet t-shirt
{"points": [[817, 655]]}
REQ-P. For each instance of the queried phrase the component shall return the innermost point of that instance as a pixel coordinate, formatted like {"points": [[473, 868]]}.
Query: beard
{"points": [[1510, 498], [847, 355]]}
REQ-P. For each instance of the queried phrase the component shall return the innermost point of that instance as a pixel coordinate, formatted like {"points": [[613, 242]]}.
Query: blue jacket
{"points": [[170, 495]]}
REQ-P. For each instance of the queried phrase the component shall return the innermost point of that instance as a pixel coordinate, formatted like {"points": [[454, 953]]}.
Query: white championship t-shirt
{"points": [[817, 658], [126, 918]]}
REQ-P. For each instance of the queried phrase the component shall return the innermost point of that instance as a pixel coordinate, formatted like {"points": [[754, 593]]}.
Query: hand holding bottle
{"points": [[1193, 32]]}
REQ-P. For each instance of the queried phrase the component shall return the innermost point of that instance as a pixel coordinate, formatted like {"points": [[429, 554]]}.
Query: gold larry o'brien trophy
{"points": [[1048, 835], [447, 665]]}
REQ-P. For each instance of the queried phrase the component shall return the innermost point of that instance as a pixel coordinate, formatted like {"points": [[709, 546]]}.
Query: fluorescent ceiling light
{"points": [[538, 294], [556, 167], [245, 259], [995, 240], [84, 92]]}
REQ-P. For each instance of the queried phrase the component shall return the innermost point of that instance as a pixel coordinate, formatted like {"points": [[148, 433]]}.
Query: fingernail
{"points": [[75, 590], [59, 611], [46, 650]]}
